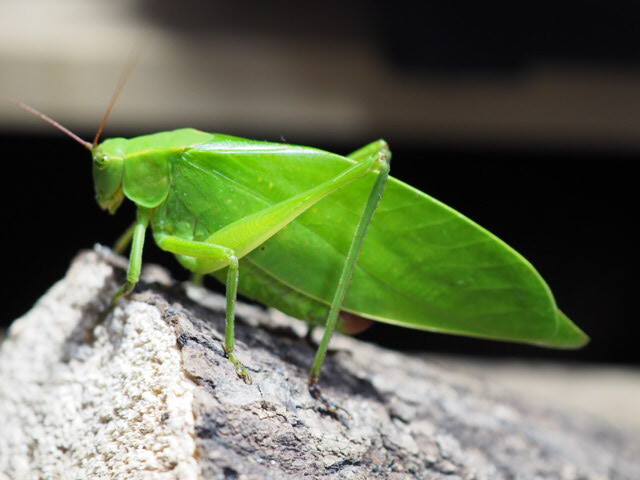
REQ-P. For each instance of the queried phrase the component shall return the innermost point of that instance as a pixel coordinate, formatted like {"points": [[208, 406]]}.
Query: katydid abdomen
{"points": [[423, 265]]}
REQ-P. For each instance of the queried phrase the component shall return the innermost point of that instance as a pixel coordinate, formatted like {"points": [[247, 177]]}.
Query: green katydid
{"points": [[294, 227]]}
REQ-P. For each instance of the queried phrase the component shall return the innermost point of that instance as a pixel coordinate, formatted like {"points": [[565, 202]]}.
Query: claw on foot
{"points": [[125, 289], [330, 406], [241, 370]]}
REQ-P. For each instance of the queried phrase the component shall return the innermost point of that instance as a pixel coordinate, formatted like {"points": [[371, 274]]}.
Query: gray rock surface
{"points": [[148, 394]]}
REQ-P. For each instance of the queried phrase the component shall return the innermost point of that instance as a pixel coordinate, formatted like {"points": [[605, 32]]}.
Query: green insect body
{"points": [[294, 227], [286, 216]]}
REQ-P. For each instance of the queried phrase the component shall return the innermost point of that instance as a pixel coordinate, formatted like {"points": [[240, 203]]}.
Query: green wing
{"points": [[423, 265]]}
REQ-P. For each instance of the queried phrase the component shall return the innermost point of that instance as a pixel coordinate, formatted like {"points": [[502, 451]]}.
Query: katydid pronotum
{"points": [[320, 236]]}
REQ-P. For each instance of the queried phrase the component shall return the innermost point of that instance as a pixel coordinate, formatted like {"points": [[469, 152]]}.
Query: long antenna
{"points": [[51, 121], [128, 69]]}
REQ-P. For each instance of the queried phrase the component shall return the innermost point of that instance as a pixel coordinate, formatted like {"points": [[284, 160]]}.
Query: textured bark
{"points": [[148, 393]]}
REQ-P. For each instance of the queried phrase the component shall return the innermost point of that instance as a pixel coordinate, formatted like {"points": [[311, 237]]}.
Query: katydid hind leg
{"points": [[246, 234], [345, 277], [225, 246], [224, 255]]}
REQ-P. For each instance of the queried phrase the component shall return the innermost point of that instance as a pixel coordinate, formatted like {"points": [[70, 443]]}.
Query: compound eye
{"points": [[100, 160]]}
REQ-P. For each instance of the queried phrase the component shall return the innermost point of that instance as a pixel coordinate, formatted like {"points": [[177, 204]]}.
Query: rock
{"points": [[148, 394]]}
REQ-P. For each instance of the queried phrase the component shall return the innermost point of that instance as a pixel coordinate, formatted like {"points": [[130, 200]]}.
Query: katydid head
{"points": [[108, 167], [108, 156], [107, 162]]}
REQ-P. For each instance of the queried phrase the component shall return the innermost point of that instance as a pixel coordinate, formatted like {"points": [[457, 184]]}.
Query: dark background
{"points": [[571, 213], [569, 208]]}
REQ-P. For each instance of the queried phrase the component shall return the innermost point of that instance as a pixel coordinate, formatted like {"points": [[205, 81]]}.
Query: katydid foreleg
{"points": [[135, 234]]}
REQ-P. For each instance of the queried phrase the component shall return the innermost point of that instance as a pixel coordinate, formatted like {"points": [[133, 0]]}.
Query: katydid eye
{"points": [[101, 161]]}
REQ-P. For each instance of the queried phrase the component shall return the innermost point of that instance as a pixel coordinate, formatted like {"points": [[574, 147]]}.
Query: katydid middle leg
{"points": [[219, 256]]}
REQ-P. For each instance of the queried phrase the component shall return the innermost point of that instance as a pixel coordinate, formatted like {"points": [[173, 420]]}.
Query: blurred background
{"points": [[525, 116]]}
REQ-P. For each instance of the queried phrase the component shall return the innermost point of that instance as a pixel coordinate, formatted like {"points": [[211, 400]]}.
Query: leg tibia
{"points": [[137, 233], [218, 255], [347, 270], [229, 338]]}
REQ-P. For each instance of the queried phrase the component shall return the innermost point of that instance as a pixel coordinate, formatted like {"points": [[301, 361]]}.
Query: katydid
{"points": [[294, 227]]}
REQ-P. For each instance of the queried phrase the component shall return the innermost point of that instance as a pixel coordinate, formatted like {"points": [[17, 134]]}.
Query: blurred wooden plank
{"points": [[608, 392]]}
